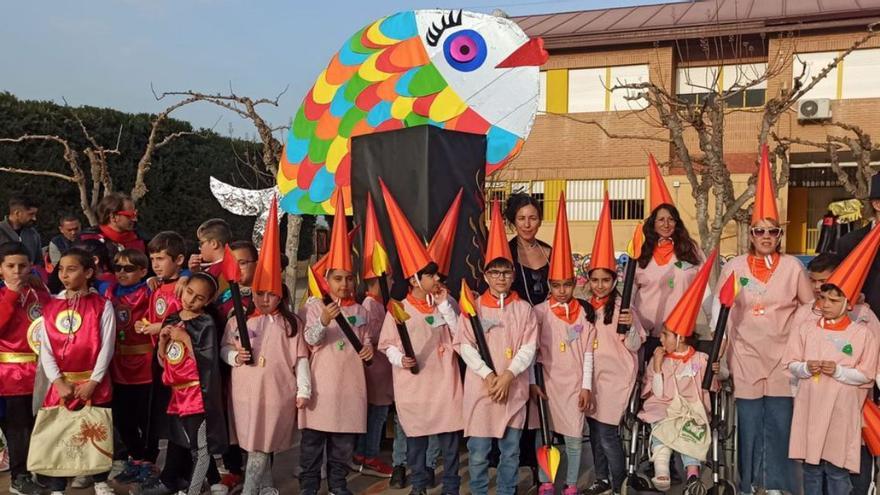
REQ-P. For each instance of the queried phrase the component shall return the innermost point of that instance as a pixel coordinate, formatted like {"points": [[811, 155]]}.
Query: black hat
{"points": [[875, 187]]}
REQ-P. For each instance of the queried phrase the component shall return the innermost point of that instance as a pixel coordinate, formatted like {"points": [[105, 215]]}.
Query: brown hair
{"points": [[134, 257], [110, 204], [169, 241], [215, 229]]}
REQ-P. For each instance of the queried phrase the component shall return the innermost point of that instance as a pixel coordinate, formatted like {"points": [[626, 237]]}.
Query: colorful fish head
{"points": [[456, 70]]}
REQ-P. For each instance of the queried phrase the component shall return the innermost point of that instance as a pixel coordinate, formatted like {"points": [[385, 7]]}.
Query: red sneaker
{"points": [[357, 462], [375, 467], [231, 480]]}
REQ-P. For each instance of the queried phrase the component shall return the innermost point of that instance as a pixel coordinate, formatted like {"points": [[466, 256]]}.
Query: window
{"points": [[589, 90], [501, 190], [583, 199], [695, 84], [627, 198], [815, 62], [859, 74], [542, 92]]}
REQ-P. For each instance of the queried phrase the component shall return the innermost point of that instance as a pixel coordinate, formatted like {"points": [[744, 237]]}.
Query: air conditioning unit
{"points": [[814, 109]]}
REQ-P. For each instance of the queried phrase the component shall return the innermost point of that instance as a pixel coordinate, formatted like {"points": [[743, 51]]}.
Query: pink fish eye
{"points": [[465, 50]]}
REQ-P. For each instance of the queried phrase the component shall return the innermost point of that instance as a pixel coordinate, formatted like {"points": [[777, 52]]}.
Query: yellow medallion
{"points": [[68, 321], [34, 340], [175, 352]]}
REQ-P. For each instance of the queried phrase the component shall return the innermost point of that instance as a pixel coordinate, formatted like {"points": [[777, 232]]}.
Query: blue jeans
{"points": [[398, 450], [508, 463], [826, 479], [763, 429], [608, 456], [417, 449], [573, 448], [368, 443]]}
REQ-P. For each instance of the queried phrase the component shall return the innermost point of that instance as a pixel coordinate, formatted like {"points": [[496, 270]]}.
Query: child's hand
{"points": [[659, 356], [366, 353], [14, 283], [242, 357], [84, 391], [408, 362], [814, 367], [716, 367], [625, 318], [301, 402], [329, 312], [442, 293], [180, 286], [829, 367], [489, 382], [502, 386], [64, 390], [585, 397], [536, 393], [178, 332], [153, 283], [195, 263], [165, 332]]}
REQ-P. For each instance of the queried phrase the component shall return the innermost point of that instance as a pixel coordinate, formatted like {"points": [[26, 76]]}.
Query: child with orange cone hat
{"points": [[672, 389], [338, 406], [494, 402], [835, 361], [565, 351], [261, 418], [615, 358], [427, 403]]}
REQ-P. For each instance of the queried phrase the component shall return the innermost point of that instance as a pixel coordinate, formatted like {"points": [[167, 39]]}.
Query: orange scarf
{"points": [[490, 301], [346, 302], [567, 312], [598, 302], [663, 251], [421, 305], [759, 269], [839, 326], [682, 357]]}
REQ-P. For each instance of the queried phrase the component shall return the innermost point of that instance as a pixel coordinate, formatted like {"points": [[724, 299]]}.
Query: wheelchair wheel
{"points": [[636, 484], [723, 487]]}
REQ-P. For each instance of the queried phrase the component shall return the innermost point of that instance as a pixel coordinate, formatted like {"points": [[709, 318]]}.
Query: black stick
{"points": [[720, 327], [401, 326], [482, 345], [543, 415], [243, 336], [346, 329], [626, 298]]}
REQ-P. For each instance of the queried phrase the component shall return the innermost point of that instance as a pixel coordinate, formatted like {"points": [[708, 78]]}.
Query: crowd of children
{"points": [[209, 354]]}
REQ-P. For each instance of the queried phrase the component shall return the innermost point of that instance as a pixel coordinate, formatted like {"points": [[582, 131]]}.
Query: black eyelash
{"points": [[447, 21]]}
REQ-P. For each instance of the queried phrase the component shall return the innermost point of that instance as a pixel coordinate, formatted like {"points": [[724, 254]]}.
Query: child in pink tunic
{"points": [[429, 402], [261, 418]]}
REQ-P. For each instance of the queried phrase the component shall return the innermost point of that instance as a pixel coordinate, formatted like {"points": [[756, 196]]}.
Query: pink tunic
{"points": [[658, 288], [827, 419], [511, 328], [263, 395], [430, 402], [339, 387], [561, 348], [380, 392], [689, 378], [759, 325], [615, 368]]}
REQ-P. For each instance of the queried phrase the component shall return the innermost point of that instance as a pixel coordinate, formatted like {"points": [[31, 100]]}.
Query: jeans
{"points": [[368, 443], [686, 460], [340, 447], [398, 450], [573, 448], [826, 479], [763, 429], [508, 463], [861, 482], [417, 448], [608, 456]]}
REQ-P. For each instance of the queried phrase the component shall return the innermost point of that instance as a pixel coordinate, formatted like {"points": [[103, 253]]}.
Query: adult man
{"points": [[69, 227], [19, 227], [117, 219]]}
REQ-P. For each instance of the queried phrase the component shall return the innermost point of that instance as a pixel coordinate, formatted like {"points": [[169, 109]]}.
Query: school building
{"points": [[592, 50]]}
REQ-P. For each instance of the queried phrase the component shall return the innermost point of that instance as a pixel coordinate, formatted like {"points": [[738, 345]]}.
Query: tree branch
{"points": [[44, 173]]}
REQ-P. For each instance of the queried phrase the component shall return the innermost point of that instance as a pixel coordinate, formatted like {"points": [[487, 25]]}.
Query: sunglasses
{"points": [[132, 214], [125, 268], [772, 232]]}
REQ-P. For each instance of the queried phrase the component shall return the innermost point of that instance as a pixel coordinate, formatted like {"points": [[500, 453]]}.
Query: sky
{"points": [[108, 53]]}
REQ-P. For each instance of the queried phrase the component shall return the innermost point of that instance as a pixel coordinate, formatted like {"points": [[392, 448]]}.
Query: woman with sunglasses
{"points": [[773, 286], [117, 228]]}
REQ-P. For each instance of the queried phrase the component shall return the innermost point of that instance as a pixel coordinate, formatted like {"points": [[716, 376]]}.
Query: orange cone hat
{"points": [[339, 257], [267, 276], [603, 244], [496, 244], [561, 267], [850, 275], [441, 244], [658, 194], [375, 254], [683, 317], [410, 250], [765, 196]]}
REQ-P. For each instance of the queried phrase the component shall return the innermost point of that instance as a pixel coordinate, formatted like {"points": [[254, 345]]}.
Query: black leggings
{"points": [[185, 467], [17, 424]]}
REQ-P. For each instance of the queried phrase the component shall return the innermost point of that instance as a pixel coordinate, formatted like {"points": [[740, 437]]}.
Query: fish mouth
{"points": [[529, 54]]}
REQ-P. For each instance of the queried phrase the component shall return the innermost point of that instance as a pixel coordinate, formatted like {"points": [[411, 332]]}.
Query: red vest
{"points": [[74, 332], [18, 358], [164, 302], [133, 354], [181, 373]]}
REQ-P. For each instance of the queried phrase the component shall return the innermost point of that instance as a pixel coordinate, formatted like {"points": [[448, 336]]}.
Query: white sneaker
{"points": [[82, 482], [102, 488], [219, 489], [268, 490]]}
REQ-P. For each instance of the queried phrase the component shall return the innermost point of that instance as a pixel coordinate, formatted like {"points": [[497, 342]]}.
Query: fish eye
{"points": [[465, 50]]}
